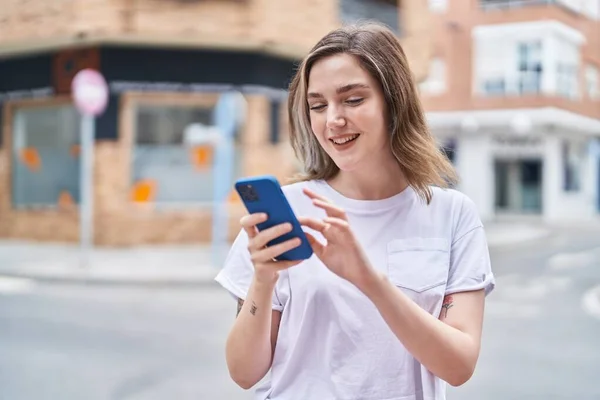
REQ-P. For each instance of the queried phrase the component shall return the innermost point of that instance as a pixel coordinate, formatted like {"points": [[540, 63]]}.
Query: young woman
{"points": [[390, 306]]}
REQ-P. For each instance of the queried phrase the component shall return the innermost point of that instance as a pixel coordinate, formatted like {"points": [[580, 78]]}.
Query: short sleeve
{"points": [[238, 271], [470, 265]]}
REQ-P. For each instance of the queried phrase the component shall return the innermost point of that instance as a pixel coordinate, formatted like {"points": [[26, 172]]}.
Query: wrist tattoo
{"points": [[240, 304], [448, 304]]}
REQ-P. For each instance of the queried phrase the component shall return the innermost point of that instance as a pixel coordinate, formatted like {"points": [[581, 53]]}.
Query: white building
{"points": [[514, 92]]}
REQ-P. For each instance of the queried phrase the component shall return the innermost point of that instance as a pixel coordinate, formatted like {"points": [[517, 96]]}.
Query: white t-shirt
{"points": [[333, 344]]}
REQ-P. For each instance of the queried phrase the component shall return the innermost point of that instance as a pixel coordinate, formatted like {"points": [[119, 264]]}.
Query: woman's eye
{"points": [[317, 107], [354, 102]]}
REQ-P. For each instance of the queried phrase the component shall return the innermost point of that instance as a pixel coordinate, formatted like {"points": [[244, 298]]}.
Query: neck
{"points": [[370, 183]]}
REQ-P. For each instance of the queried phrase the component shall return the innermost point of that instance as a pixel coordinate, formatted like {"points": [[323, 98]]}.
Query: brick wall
{"points": [[117, 220], [60, 224], [284, 27], [453, 42], [30, 20]]}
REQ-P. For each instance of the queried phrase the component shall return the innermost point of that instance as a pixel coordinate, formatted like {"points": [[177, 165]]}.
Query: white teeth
{"points": [[344, 140]]}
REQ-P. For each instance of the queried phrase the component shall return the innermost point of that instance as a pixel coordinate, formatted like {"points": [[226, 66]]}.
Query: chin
{"points": [[346, 166]]}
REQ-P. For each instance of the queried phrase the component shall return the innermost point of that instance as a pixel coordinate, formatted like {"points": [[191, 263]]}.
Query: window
{"points": [[45, 156], [494, 87], [567, 69], [165, 125], [509, 67], [490, 65], [566, 76], [530, 67], [172, 160], [572, 155], [592, 82], [436, 78]]}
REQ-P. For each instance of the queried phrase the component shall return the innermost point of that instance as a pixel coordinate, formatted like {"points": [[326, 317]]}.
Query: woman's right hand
{"points": [[266, 268]]}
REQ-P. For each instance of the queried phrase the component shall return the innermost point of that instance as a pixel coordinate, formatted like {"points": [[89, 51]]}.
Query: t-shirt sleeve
{"points": [[470, 265], [238, 271]]}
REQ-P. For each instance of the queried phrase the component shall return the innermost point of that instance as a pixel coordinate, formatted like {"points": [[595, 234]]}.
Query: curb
{"points": [[107, 281], [83, 278]]}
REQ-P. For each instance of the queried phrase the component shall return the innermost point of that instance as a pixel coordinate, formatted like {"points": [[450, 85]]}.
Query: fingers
{"points": [[317, 246], [258, 240], [324, 225], [264, 237], [313, 223], [257, 243], [315, 196], [323, 202], [337, 222], [267, 254], [281, 265], [250, 221], [331, 209]]}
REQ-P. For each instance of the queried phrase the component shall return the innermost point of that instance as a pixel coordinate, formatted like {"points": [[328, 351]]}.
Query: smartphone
{"points": [[263, 194]]}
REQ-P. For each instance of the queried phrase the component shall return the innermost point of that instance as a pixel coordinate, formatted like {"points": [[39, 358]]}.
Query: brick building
{"points": [[514, 91], [165, 61]]}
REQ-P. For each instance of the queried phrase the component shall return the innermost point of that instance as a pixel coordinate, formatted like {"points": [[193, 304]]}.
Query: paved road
{"points": [[540, 341], [86, 342], [74, 343]]}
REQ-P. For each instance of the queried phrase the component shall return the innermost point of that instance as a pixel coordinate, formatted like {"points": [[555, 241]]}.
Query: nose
{"points": [[335, 119]]}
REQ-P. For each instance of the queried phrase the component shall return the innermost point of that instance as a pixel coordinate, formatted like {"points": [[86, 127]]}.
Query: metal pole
{"points": [[222, 175], [226, 115], [86, 185]]}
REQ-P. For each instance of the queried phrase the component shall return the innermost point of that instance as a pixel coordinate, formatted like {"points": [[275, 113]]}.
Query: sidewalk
{"points": [[159, 265], [502, 235], [148, 265]]}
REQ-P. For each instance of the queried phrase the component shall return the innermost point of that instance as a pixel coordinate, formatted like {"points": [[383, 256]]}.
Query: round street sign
{"points": [[90, 92]]}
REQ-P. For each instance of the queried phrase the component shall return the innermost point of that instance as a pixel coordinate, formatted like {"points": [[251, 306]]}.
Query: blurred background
{"points": [[512, 93]]}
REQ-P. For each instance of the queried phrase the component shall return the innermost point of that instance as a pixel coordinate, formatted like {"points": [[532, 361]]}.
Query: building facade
{"points": [[166, 63], [513, 91]]}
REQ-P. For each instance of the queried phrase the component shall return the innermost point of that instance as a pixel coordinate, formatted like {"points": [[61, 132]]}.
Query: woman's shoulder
{"points": [[452, 202]]}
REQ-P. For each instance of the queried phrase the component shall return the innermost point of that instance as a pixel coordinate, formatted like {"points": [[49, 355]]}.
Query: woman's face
{"points": [[347, 112]]}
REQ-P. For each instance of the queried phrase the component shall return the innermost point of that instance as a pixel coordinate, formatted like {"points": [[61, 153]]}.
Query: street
{"points": [[73, 342]]}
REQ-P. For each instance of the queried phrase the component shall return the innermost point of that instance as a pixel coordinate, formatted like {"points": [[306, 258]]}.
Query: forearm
{"points": [[248, 348], [444, 350]]}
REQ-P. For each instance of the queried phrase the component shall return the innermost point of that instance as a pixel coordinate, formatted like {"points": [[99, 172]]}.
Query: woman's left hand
{"points": [[342, 253]]}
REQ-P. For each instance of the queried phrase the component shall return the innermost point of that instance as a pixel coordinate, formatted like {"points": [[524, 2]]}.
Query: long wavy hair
{"points": [[380, 53]]}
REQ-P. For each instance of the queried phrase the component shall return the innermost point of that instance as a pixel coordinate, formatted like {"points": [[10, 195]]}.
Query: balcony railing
{"points": [[492, 4], [525, 83], [509, 4]]}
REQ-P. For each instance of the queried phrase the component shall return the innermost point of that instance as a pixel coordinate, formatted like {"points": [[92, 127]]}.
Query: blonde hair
{"points": [[379, 52]]}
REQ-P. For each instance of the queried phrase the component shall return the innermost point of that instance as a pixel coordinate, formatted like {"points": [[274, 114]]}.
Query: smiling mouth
{"points": [[344, 140]]}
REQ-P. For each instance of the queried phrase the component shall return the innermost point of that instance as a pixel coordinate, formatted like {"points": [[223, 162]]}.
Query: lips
{"points": [[339, 140]]}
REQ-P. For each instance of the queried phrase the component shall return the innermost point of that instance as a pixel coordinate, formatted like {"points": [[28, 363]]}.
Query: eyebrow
{"points": [[341, 89]]}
